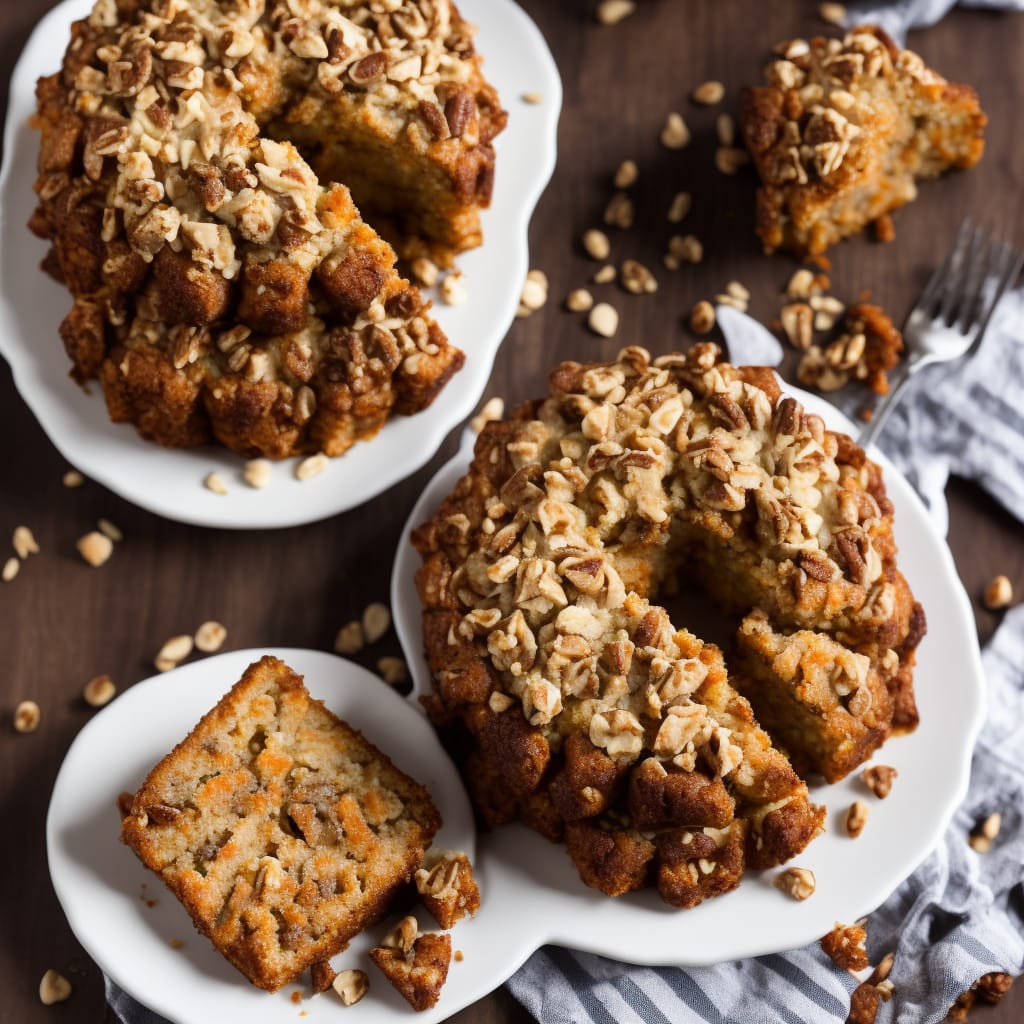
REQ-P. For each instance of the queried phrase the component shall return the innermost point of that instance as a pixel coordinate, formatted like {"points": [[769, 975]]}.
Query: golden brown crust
{"points": [[842, 130], [420, 974], [281, 830], [168, 203], [447, 887]]}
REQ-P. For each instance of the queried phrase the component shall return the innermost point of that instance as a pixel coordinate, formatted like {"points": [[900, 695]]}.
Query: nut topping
{"points": [[796, 882]]}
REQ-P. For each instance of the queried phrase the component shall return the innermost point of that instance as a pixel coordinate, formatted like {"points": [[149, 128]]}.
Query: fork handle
{"points": [[886, 406]]}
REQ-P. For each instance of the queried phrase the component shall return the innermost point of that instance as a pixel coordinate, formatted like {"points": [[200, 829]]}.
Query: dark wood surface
{"points": [[63, 622]]}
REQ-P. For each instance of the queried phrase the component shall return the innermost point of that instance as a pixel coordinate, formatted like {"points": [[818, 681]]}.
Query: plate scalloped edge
{"points": [[169, 482], [934, 765]]}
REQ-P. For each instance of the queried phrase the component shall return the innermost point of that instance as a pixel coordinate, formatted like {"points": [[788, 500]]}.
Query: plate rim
{"points": [[292, 509]]}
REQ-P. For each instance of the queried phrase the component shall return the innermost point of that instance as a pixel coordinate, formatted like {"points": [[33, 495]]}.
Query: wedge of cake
{"points": [[281, 830], [842, 131], [822, 702]]}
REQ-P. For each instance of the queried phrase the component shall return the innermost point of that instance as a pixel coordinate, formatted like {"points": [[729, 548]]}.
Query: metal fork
{"points": [[955, 307]]}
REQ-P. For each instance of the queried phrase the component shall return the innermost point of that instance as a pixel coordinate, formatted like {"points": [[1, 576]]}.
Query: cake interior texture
{"points": [[281, 829]]}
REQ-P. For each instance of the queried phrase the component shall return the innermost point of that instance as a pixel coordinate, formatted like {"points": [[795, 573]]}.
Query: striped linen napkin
{"points": [[959, 916]]}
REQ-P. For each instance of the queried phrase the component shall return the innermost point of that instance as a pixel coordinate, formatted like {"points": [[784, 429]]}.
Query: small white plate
{"points": [[541, 896], [170, 482], [103, 888]]}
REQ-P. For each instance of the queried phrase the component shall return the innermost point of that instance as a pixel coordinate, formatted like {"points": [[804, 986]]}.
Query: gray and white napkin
{"points": [[899, 17], [959, 916]]}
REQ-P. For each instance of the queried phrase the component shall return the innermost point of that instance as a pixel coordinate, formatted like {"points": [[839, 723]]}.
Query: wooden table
{"points": [[64, 622]]}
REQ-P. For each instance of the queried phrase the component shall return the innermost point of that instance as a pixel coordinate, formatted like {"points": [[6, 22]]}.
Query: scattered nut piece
{"points": [[26, 716], [797, 882], [999, 593], [728, 298], [453, 289], [10, 569], [984, 834], [856, 818], [311, 466], [596, 244], [879, 779], [108, 529], [675, 134], [702, 317], [533, 98], [376, 621], [393, 670], [351, 986], [834, 14], [726, 129], [686, 247], [603, 320], [620, 212], [729, 159], [801, 284], [95, 548], [350, 638], [24, 542], [458, 956], [257, 473], [425, 271], [611, 12], [492, 409], [797, 321], [213, 482], [210, 636], [535, 290], [98, 691], [738, 291], [626, 174], [604, 275], [709, 93], [175, 650], [579, 300], [72, 478], [53, 988], [636, 278], [679, 207]]}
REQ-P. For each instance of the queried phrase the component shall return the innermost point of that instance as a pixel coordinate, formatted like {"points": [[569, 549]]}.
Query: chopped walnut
{"points": [[879, 779]]}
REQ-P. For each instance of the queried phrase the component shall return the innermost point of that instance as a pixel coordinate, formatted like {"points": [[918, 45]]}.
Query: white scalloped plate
{"points": [[103, 888], [169, 482], [541, 895]]}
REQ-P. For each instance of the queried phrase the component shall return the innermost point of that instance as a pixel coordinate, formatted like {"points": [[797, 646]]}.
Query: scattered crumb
{"points": [[533, 98], [27, 716], [999, 593], [72, 478]]}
